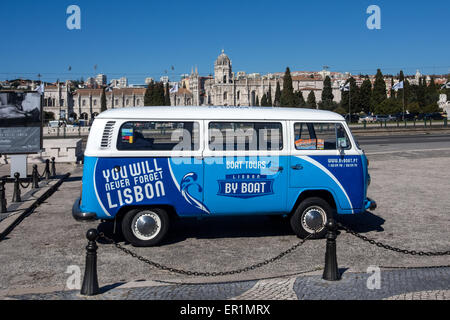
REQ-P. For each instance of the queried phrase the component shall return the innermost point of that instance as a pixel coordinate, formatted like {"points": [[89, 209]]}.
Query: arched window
{"points": [[224, 79], [238, 95], [225, 96]]}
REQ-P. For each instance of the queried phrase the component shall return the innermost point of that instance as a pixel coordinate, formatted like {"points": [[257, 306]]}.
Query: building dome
{"points": [[223, 59]]}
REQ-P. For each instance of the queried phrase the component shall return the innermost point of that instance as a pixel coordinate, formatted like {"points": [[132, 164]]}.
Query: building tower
{"points": [[222, 69], [194, 86]]}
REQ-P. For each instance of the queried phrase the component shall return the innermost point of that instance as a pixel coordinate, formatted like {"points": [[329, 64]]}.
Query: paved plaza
{"points": [[409, 184]]}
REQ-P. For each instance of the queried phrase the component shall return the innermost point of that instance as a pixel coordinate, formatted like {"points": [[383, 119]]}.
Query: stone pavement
{"points": [[36, 255], [402, 284]]}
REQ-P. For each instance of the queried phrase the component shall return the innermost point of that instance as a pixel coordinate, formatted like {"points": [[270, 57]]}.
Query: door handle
{"points": [[277, 169], [297, 166]]}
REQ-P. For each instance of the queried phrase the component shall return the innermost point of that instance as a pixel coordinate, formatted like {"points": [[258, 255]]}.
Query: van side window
{"points": [[320, 136], [226, 136], [159, 135]]}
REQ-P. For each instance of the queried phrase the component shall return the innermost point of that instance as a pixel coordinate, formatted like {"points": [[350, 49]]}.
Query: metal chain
{"points": [[26, 186], [41, 175], [204, 274], [388, 247]]}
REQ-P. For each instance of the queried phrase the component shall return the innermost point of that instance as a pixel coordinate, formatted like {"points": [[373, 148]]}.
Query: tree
{"points": [[288, 99], [388, 106], [327, 92], [431, 94], [311, 100], [340, 110], [365, 93], [264, 101], [351, 99], [154, 95], [269, 96], [103, 101], [379, 89], [159, 94], [166, 95], [300, 100], [414, 108], [392, 89], [148, 96], [276, 102]]}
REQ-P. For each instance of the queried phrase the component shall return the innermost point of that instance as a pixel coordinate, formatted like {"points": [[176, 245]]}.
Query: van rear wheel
{"points": [[310, 217], [145, 227]]}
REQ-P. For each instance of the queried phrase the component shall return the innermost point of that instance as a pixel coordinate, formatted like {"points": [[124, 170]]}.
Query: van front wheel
{"points": [[145, 227], [310, 217]]}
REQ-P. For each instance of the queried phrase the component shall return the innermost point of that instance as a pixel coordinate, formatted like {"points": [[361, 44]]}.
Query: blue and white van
{"points": [[144, 166]]}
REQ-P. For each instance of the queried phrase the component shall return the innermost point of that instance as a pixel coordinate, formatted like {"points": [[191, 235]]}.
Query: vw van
{"points": [[144, 166]]}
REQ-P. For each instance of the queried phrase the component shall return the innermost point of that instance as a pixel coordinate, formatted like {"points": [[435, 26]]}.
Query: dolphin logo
{"points": [[189, 180]]}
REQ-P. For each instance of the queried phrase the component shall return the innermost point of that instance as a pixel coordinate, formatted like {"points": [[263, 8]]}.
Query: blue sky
{"points": [[144, 38]]}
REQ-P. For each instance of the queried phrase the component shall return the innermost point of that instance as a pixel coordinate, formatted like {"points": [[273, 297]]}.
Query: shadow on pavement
{"points": [[362, 223], [242, 227]]}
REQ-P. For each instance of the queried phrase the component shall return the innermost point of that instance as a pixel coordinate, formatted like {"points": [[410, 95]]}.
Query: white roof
{"points": [[219, 113]]}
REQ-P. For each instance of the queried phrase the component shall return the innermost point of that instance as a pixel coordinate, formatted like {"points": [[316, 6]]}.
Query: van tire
{"points": [[314, 208], [145, 227]]}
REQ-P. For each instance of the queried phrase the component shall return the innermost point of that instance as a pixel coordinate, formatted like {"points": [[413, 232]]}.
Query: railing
{"points": [[409, 124], [66, 131]]}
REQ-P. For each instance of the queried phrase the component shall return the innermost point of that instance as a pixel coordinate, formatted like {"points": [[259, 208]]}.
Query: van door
{"points": [[245, 167], [317, 162]]}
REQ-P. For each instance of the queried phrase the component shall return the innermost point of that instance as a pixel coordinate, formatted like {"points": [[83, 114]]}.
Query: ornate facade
{"points": [[240, 89]]}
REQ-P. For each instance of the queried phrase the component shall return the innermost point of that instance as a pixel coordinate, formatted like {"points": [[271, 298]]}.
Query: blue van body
{"points": [[197, 189]]}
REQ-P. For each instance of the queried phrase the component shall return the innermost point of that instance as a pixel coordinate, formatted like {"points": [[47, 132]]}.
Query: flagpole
{"points": [[403, 101], [349, 101]]}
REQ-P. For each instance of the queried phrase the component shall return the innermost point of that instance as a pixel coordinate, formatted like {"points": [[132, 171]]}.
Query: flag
{"points": [[109, 88], [344, 87], [174, 89], [398, 85], [40, 89], [446, 86]]}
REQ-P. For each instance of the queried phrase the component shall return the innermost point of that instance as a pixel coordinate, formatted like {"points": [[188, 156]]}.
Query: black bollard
{"points": [[3, 208], [53, 167], [16, 191], [90, 281], [35, 177], [47, 169], [331, 271]]}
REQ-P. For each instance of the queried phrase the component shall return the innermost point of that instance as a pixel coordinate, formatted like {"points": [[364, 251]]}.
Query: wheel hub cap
{"points": [[146, 226], [314, 219]]}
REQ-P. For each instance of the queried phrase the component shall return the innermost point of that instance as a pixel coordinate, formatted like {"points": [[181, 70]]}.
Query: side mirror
{"points": [[342, 143]]}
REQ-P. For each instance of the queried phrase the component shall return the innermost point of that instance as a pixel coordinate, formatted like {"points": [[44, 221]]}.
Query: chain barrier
{"points": [[42, 175], [26, 185], [204, 274], [388, 247]]}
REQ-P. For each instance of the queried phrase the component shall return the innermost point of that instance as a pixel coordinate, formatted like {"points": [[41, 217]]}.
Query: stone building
{"points": [[229, 89], [58, 100], [87, 102]]}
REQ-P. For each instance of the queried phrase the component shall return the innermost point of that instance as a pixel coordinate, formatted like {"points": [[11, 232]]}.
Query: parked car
{"points": [[367, 118], [434, 116], [381, 118], [406, 116], [391, 117], [353, 118]]}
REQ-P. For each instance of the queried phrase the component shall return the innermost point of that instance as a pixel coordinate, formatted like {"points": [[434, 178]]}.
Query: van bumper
{"points": [[370, 204], [80, 215]]}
